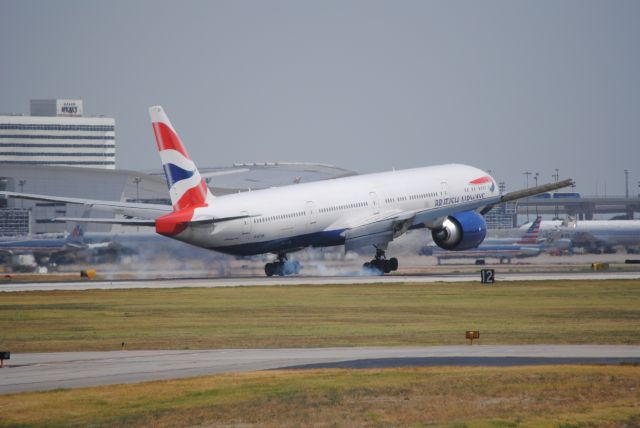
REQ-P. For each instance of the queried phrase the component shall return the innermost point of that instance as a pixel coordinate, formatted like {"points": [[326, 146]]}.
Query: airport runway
{"points": [[36, 372], [309, 280]]}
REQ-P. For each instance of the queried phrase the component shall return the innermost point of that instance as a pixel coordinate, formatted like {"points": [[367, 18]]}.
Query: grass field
{"points": [[551, 396], [605, 312]]}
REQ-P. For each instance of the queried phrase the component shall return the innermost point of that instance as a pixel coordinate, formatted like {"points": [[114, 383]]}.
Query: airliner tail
{"points": [[531, 235], [186, 187]]}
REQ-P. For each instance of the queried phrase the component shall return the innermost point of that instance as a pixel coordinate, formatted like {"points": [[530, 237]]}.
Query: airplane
{"points": [[357, 211], [529, 237], [30, 253], [595, 235], [533, 238], [502, 252]]}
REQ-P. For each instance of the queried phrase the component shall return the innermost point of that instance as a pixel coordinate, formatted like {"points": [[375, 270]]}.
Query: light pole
{"points": [[535, 177], [21, 183], [137, 181], [527, 174], [626, 183], [556, 176]]}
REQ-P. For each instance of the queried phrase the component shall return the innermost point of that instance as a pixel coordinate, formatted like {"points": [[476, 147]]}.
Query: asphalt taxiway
{"points": [[309, 280], [46, 371]]}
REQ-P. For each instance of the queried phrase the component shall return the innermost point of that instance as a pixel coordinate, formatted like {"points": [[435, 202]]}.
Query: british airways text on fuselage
{"points": [[458, 199]]}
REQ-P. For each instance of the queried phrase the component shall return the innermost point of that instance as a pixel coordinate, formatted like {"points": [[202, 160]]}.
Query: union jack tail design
{"points": [[186, 187], [531, 235]]}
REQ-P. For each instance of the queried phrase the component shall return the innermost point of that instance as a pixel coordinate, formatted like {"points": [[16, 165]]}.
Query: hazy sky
{"points": [[508, 86]]}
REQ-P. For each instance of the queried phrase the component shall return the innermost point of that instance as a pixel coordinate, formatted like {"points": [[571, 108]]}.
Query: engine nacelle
{"points": [[460, 231]]}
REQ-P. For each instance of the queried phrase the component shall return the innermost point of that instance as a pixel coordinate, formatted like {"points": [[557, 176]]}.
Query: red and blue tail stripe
{"points": [[186, 187], [531, 235]]}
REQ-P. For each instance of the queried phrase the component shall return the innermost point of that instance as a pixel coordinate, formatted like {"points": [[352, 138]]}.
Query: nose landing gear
{"points": [[380, 264], [282, 266]]}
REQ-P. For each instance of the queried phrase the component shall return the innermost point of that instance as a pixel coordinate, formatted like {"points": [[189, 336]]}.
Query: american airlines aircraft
{"points": [[595, 235], [365, 210], [529, 237]]}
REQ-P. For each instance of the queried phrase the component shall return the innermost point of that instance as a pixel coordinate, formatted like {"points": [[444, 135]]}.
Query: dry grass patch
{"points": [[523, 396]]}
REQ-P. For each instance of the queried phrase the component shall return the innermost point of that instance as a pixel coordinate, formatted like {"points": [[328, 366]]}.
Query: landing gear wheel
{"points": [[282, 266], [380, 265], [385, 265], [270, 269]]}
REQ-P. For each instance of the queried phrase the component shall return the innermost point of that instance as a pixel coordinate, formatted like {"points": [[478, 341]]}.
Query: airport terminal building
{"points": [[57, 133]]}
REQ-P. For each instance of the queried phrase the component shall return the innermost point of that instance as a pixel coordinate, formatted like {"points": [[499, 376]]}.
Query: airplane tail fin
{"points": [[186, 186], [77, 232], [531, 235]]}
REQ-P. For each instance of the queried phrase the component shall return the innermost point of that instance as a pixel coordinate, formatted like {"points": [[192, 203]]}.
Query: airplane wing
{"points": [[134, 209], [483, 206], [378, 231], [531, 191], [383, 229]]}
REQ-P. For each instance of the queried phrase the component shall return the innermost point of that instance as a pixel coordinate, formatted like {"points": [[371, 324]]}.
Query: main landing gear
{"points": [[282, 266], [380, 264]]}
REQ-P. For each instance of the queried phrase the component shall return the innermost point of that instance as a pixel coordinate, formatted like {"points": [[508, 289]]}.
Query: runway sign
{"points": [[472, 334], [4, 355], [488, 276]]}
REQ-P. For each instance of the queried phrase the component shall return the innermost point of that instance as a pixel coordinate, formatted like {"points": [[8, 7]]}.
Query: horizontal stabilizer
{"points": [[121, 221], [177, 221], [136, 209], [219, 219], [141, 222]]}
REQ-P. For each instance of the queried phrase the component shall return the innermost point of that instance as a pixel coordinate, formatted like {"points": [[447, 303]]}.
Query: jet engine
{"points": [[460, 231]]}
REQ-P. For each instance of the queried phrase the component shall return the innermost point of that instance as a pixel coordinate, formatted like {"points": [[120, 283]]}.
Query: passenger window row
{"points": [[279, 217], [411, 197], [344, 207]]}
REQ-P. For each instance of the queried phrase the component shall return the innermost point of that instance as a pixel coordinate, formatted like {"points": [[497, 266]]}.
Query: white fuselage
{"points": [[596, 232], [317, 214]]}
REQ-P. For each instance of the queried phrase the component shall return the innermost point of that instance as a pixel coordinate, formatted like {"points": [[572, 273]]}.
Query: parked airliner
{"points": [[529, 237], [357, 211], [595, 235]]}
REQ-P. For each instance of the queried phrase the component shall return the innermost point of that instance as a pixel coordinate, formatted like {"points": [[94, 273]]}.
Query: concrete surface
{"points": [[310, 280], [46, 371]]}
